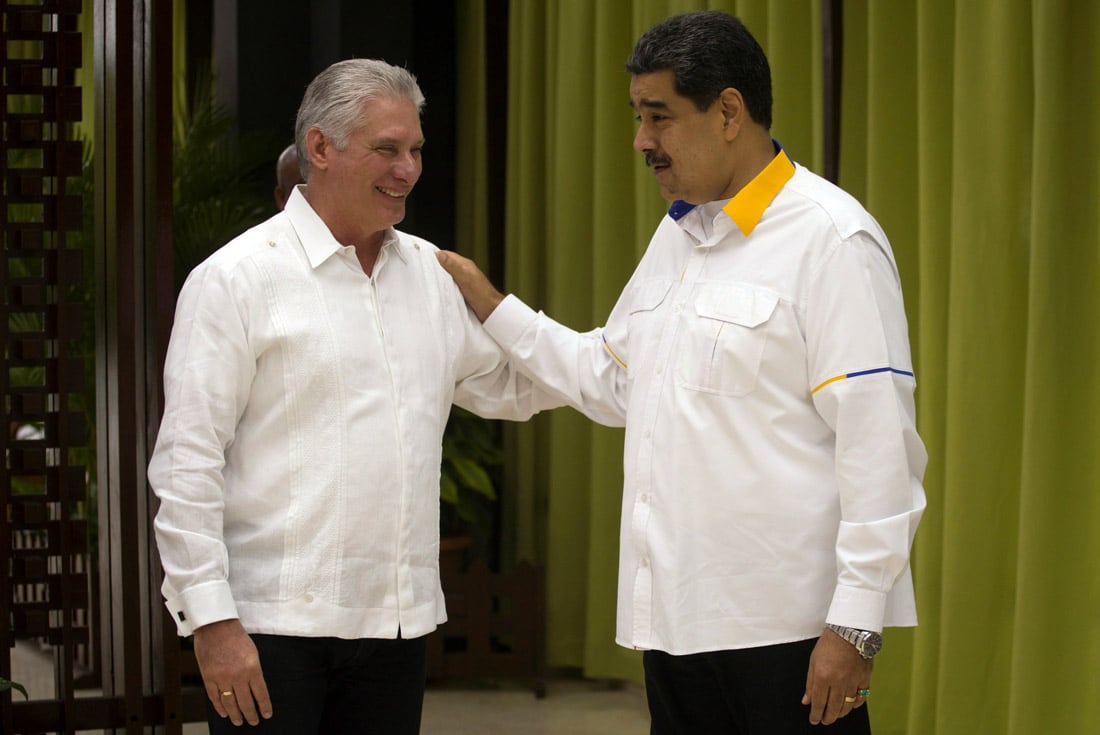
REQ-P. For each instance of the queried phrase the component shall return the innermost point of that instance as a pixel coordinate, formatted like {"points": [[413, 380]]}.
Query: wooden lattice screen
{"points": [[85, 293], [44, 383]]}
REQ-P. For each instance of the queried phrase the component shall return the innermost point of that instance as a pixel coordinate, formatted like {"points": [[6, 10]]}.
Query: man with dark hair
{"points": [[287, 175], [310, 373], [760, 358]]}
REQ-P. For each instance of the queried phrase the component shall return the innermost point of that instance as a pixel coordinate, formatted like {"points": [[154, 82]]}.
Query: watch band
{"points": [[866, 642]]}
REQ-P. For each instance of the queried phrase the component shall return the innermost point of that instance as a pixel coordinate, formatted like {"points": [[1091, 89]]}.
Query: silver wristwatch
{"points": [[867, 642]]}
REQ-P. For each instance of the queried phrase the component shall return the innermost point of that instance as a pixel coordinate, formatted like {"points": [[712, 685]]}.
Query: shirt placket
{"points": [[658, 383], [405, 593]]}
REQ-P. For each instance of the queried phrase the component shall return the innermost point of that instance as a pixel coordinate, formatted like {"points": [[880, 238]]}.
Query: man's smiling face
{"points": [[381, 163]]}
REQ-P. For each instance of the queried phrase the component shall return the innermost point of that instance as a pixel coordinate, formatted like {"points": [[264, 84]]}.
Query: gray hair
{"points": [[337, 98]]}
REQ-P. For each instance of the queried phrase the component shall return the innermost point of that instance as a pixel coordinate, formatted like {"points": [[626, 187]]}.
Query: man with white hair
{"points": [[311, 370]]}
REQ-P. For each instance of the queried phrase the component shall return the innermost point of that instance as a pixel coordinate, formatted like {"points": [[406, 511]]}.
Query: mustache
{"points": [[654, 159]]}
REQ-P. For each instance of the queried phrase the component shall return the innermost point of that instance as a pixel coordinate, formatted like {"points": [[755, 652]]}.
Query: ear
{"points": [[318, 148], [734, 113]]}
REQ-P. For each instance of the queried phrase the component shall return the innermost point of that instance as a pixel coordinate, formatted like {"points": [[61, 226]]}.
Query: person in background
{"points": [[310, 373], [759, 355], [287, 175]]}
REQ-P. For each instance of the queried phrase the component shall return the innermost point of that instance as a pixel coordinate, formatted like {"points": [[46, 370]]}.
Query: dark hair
{"points": [[708, 51]]}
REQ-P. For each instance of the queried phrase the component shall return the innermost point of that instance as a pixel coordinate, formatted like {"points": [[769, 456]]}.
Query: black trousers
{"points": [[332, 686], [755, 691]]}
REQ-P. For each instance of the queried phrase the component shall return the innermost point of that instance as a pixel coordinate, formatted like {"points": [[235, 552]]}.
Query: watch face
{"points": [[871, 643]]}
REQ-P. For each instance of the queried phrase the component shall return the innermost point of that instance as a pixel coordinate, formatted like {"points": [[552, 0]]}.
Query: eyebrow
{"points": [[649, 104], [386, 140]]}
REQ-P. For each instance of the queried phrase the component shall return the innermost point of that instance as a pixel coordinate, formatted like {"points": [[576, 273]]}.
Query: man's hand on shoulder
{"points": [[230, 668], [479, 293]]}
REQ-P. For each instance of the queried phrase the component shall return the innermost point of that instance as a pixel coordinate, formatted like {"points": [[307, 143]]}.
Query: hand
{"points": [[475, 287], [229, 662], [836, 671]]}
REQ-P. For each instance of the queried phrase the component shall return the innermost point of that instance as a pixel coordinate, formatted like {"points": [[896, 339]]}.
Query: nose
{"points": [[408, 166], [643, 140]]}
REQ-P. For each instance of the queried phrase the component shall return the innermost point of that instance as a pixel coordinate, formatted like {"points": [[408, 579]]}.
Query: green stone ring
{"points": [[864, 693]]}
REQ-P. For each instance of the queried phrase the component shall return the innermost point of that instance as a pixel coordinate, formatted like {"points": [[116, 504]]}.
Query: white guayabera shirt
{"points": [[772, 466], [298, 460]]}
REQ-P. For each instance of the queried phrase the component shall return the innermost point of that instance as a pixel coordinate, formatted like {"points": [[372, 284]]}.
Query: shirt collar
{"points": [[748, 205], [314, 235]]}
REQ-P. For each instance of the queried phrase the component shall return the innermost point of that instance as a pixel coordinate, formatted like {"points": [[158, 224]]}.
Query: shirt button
{"points": [[647, 433], [676, 309], [643, 562], [309, 597], [643, 498]]}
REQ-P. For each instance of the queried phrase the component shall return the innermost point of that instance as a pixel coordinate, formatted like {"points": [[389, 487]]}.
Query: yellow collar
{"points": [[748, 205]]}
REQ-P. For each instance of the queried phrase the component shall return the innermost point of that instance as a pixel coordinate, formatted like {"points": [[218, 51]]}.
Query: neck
{"points": [[754, 154], [368, 252], [367, 239]]}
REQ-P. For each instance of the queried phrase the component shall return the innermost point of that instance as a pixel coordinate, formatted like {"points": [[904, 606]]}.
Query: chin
{"points": [[394, 217]]}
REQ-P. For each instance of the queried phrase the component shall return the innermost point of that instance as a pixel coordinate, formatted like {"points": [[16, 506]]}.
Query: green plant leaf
{"points": [[473, 476], [448, 489], [213, 167], [5, 685]]}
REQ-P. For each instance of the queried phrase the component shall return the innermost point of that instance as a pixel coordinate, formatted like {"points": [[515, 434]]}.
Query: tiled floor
{"points": [[571, 706]]}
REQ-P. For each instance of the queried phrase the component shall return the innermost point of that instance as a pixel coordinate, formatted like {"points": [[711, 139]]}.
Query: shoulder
{"points": [[415, 247], [820, 200], [271, 239], [269, 247], [416, 251]]}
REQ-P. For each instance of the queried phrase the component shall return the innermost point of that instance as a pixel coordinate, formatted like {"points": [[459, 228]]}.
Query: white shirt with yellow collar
{"points": [[760, 357]]}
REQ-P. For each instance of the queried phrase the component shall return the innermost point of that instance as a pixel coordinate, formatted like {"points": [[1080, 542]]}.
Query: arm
{"points": [[208, 371], [856, 324], [575, 369]]}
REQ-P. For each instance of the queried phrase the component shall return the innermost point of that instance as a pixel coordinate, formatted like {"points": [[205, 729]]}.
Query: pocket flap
{"points": [[744, 305], [649, 295]]}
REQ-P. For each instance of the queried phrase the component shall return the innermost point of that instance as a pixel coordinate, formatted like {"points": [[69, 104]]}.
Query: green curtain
{"points": [[969, 129]]}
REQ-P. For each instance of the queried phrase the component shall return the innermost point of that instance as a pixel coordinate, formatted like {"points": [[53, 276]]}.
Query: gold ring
{"points": [[849, 700], [227, 693]]}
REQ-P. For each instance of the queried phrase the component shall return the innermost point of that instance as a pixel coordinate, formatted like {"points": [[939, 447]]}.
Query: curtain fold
{"points": [[471, 128], [969, 131], [935, 32]]}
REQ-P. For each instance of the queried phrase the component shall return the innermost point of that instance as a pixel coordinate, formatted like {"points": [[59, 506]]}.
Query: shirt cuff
{"points": [[202, 605], [509, 321], [857, 608]]}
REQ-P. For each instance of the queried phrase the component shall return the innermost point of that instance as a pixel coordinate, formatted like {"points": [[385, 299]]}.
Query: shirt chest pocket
{"points": [[724, 339], [645, 320]]}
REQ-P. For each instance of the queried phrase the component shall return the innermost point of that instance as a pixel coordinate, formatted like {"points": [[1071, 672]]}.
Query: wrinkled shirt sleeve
{"points": [[208, 371], [575, 367], [860, 365]]}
